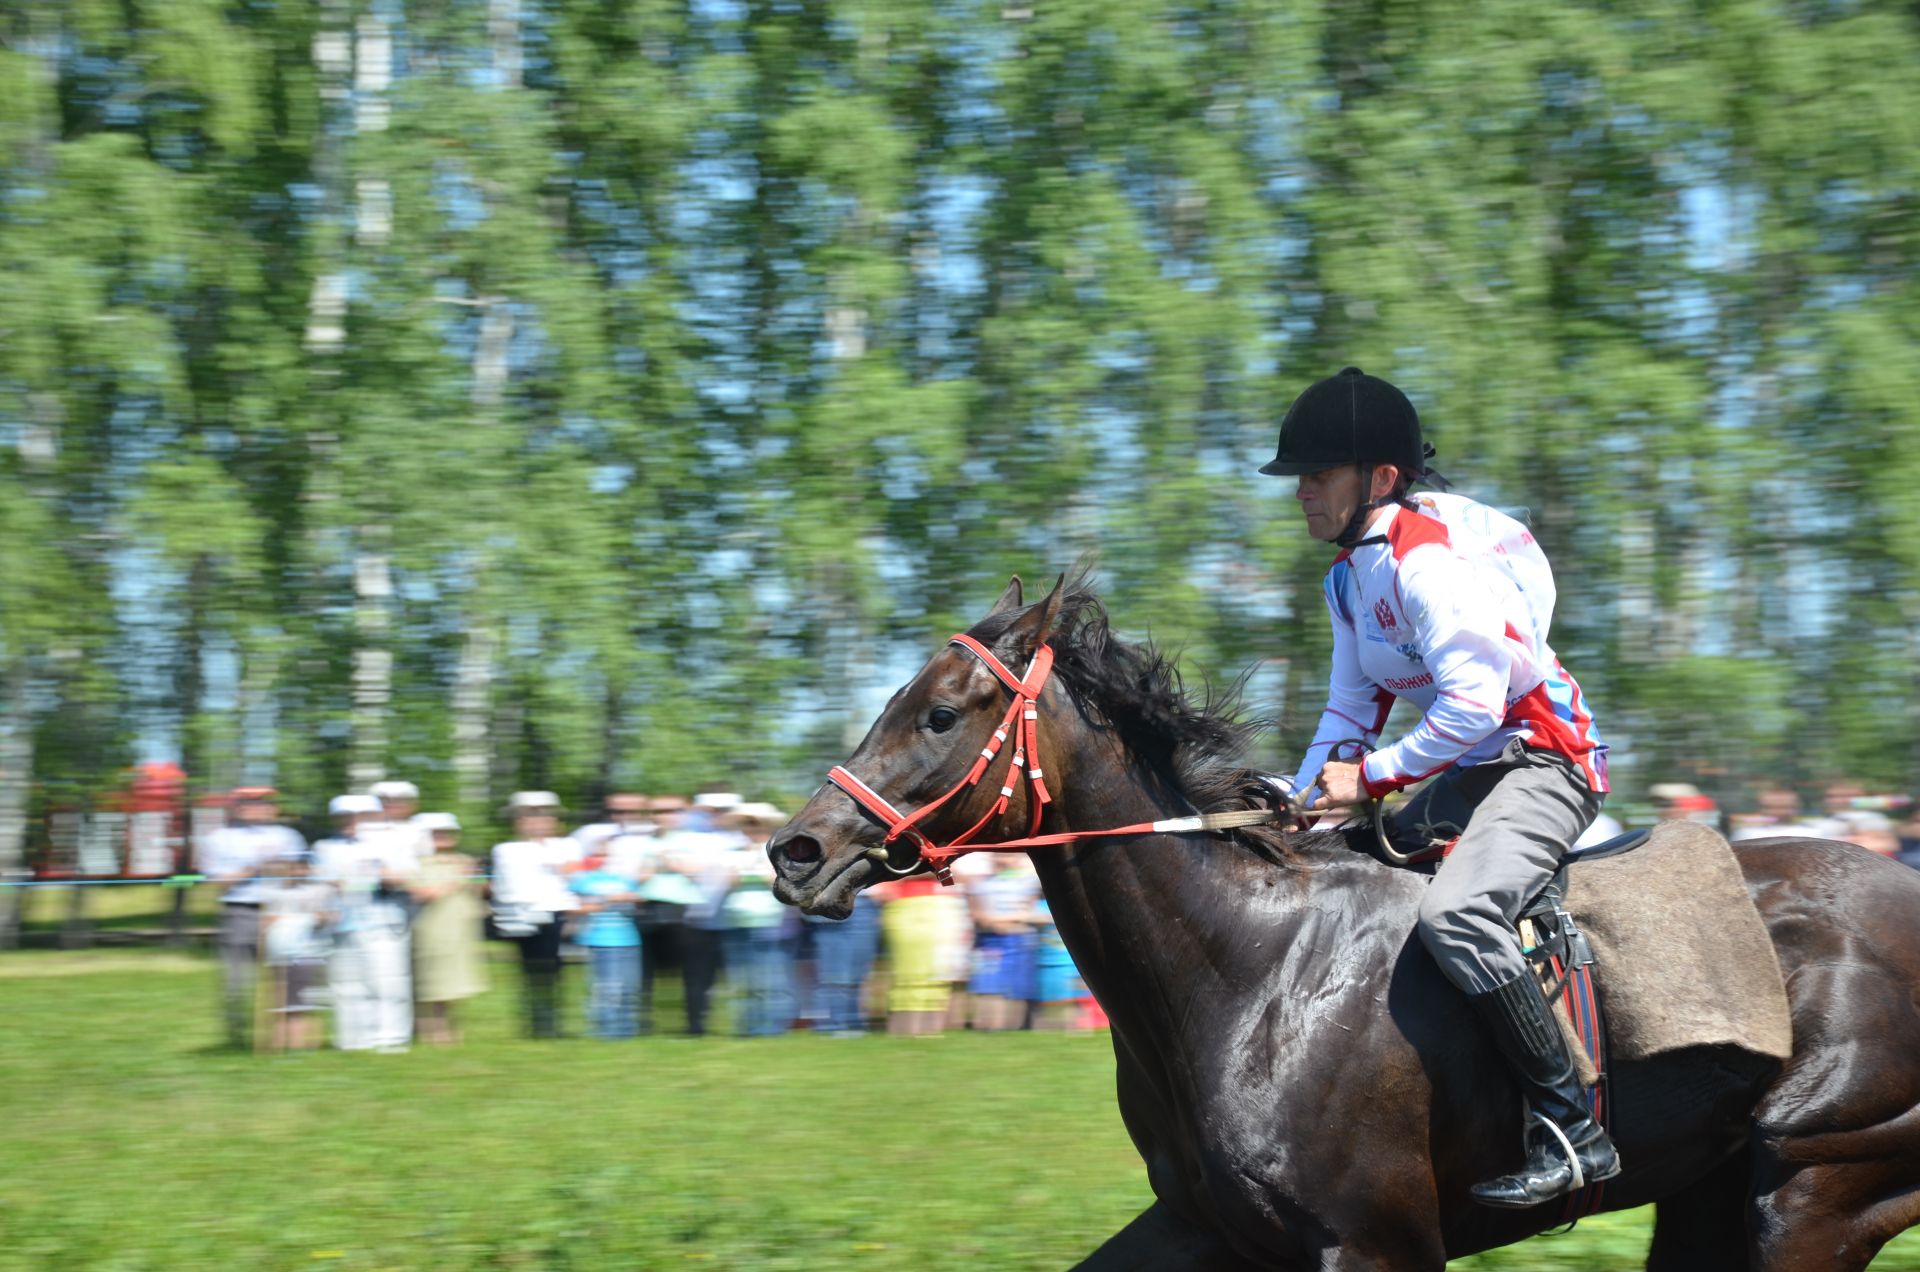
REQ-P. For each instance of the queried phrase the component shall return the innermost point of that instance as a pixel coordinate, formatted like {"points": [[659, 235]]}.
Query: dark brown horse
{"points": [[1305, 1089]]}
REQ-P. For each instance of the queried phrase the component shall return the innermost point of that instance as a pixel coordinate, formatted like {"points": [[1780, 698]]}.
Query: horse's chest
{"points": [[1267, 1122]]}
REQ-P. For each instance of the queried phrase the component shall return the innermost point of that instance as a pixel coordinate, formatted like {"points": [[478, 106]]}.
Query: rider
{"points": [[1445, 602]]}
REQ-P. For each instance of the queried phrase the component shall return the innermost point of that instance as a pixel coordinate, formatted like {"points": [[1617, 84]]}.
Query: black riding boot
{"points": [[1522, 1026]]}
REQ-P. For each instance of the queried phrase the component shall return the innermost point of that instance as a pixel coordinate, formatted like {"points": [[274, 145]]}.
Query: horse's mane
{"points": [[1192, 744]]}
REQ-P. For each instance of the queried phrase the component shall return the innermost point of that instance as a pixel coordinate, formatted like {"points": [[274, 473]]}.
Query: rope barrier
{"points": [[153, 881]]}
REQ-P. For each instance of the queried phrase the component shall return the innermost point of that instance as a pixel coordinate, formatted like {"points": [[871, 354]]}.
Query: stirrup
{"points": [[1566, 1144]]}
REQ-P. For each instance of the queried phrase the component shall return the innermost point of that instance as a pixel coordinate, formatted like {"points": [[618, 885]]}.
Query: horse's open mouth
{"points": [[834, 897]]}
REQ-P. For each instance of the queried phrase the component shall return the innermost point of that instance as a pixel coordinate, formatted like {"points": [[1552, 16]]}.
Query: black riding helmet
{"points": [[1350, 418]]}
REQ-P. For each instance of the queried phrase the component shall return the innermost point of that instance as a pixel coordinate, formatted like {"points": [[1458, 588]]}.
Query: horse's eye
{"points": [[940, 719]]}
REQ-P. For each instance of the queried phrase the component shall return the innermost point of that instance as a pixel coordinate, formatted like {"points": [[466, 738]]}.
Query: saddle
{"points": [[1657, 927]]}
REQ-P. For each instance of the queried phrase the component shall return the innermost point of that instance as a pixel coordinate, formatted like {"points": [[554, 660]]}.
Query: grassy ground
{"points": [[131, 1141]]}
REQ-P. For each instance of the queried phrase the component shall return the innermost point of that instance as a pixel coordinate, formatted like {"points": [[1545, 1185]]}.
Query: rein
{"points": [[1021, 723]]}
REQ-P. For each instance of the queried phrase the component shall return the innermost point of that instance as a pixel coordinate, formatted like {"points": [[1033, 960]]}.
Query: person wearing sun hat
{"points": [[608, 893], [399, 801], [448, 965], [531, 900], [237, 856], [370, 971], [761, 936], [701, 851]]}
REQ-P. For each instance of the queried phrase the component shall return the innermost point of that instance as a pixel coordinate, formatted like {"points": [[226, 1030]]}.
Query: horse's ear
{"points": [[1009, 599], [1032, 628]]}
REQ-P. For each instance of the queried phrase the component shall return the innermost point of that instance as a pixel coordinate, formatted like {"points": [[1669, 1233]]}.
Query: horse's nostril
{"points": [[802, 850]]}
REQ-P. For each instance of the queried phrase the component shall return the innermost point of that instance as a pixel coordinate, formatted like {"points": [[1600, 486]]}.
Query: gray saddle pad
{"points": [[1682, 957]]}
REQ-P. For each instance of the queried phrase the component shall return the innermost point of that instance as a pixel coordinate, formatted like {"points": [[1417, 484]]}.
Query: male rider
{"points": [[1445, 603]]}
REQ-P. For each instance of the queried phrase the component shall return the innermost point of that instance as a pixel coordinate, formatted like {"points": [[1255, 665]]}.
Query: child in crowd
{"points": [[1004, 972], [611, 938], [761, 935], [294, 942], [1060, 994], [448, 965], [531, 900]]}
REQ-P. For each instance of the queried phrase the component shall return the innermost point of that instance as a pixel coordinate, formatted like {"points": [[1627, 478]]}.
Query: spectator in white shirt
{"points": [[1779, 814], [531, 900], [237, 857], [762, 936], [631, 842], [1604, 826], [703, 853], [399, 803], [647, 822], [370, 971]]}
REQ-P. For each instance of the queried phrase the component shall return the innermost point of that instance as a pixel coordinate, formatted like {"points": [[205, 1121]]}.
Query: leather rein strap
{"points": [[1021, 723]]}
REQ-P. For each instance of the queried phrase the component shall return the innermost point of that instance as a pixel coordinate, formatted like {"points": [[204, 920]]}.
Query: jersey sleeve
{"points": [[1463, 644], [1356, 707]]}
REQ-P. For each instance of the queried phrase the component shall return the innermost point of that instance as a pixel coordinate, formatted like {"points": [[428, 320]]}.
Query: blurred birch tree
{"points": [[595, 393]]}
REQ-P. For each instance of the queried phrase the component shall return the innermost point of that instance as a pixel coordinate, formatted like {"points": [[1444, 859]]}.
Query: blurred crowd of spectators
{"points": [[381, 928], [1886, 823]]}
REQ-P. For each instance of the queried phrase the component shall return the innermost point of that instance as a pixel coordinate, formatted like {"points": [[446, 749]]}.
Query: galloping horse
{"points": [[1304, 1087]]}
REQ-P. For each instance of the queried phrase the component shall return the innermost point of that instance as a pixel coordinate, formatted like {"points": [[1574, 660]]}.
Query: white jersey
{"points": [[530, 876], [1447, 604], [242, 851]]}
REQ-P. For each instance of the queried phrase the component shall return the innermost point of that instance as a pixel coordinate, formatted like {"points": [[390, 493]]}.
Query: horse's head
{"points": [[921, 748]]}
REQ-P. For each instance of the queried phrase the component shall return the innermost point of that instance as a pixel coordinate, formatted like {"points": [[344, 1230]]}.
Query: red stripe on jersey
{"points": [[1384, 698], [1408, 530], [1551, 733], [1387, 785]]}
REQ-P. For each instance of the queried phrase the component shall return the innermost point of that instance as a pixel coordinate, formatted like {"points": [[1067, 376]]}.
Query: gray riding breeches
{"points": [[1521, 811]]}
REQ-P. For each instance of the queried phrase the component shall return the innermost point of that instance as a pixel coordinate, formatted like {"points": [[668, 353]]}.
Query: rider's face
{"points": [[1328, 499]]}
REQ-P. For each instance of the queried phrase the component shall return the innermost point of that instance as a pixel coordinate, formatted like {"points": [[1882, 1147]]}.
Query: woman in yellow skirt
{"points": [[911, 920]]}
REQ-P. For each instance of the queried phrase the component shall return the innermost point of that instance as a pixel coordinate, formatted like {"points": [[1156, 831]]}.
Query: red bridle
{"points": [[1022, 724]]}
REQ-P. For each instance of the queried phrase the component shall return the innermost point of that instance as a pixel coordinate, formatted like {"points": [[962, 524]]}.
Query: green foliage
{"points": [[699, 367]]}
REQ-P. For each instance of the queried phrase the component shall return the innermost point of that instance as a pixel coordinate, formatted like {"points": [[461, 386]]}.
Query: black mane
{"points": [[1195, 746]]}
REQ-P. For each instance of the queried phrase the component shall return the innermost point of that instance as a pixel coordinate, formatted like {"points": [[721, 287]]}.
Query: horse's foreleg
{"points": [[1159, 1241]]}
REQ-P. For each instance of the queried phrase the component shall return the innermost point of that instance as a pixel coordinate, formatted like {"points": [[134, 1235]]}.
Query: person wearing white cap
{"points": [[398, 803], [447, 962], [761, 936], [236, 856], [369, 972], [702, 853], [531, 900]]}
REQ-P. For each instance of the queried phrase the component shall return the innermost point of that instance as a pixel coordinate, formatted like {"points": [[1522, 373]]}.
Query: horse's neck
{"points": [[1134, 911]]}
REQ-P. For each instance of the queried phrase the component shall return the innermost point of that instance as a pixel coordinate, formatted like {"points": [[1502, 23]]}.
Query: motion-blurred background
{"points": [[588, 395]]}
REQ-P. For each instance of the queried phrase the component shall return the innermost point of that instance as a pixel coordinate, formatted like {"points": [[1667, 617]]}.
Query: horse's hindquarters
{"points": [[1836, 1137]]}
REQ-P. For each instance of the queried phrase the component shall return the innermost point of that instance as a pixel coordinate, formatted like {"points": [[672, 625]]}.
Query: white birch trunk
{"points": [[16, 769], [372, 663], [472, 714], [333, 67], [503, 26], [490, 354]]}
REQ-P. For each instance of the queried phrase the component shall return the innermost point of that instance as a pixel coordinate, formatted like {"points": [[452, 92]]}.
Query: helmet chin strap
{"points": [[1350, 536]]}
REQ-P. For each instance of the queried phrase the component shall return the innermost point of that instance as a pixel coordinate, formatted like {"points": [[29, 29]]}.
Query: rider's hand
{"points": [[1339, 785]]}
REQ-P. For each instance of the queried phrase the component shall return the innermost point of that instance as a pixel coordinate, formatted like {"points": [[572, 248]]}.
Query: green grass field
{"points": [[132, 1142]]}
